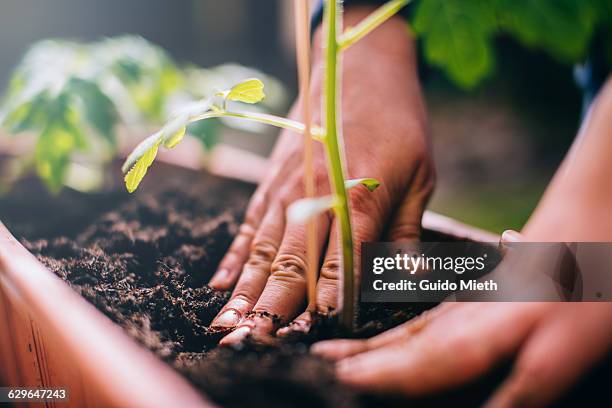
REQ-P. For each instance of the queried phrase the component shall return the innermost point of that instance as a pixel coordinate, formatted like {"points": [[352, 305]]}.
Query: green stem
{"points": [[335, 161], [371, 22], [283, 123]]}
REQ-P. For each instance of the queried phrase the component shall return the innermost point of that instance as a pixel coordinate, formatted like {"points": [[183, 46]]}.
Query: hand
{"points": [[385, 138], [456, 342], [554, 343]]}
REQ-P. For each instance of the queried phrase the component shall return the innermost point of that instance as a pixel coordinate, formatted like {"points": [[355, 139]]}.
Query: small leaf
{"points": [[137, 173], [174, 131], [301, 211], [248, 91], [141, 149], [371, 183]]}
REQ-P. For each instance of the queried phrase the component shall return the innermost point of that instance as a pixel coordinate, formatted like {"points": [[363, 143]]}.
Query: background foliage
{"points": [[458, 35]]}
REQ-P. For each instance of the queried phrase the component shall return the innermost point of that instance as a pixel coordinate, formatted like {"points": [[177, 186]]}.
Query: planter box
{"points": [[50, 337]]}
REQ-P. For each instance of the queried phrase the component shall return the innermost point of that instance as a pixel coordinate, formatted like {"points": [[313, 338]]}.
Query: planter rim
{"points": [[124, 373]]}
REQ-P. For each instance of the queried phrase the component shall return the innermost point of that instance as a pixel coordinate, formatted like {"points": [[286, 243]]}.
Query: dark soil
{"points": [[144, 261]]}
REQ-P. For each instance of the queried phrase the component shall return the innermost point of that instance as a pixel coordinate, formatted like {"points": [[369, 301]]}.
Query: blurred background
{"points": [[495, 147]]}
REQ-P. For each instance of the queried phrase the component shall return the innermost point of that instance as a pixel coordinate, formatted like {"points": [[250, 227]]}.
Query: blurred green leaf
{"points": [[561, 27], [52, 154], [206, 131], [98, 109], [27, 116], [457, 37]]}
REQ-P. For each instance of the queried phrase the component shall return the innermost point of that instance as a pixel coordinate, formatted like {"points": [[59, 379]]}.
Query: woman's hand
{"points": [[384, 125], [456, 342]]}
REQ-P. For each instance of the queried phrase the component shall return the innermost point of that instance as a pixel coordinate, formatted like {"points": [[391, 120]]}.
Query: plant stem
{"points": [[335, 160], [371, 22], [283, 123], [302, 39]]}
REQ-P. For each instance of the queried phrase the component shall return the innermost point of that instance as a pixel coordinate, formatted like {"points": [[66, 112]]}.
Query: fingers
{"points": [[557, 353], [462, 344], [284, 291], [327, 288], [256, 270], [366, 216], [340, 349], [231, 265]]}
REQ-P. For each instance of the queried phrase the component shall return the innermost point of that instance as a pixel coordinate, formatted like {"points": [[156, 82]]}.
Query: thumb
{"points": [[405, 224]]}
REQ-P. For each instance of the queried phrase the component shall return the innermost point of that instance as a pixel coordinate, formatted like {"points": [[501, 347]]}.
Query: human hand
{"points": [[450, 345], [384, 127]]}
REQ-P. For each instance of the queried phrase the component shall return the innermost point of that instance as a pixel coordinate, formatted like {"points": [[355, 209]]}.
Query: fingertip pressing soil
{"points": [[144, 261]]}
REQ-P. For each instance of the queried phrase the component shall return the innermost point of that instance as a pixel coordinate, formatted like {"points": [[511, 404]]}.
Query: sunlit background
{"points": [[495, 147]]}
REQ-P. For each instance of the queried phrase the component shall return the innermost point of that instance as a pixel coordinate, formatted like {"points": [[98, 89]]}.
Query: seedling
{"points": [[251, 91], [72, 96]]}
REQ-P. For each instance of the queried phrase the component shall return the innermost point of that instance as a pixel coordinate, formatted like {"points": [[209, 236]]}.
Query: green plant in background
{"points": [[72, 97], [458, 35]]}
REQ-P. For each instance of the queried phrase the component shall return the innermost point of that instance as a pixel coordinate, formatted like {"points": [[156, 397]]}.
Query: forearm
{"points": [[576, 205]]}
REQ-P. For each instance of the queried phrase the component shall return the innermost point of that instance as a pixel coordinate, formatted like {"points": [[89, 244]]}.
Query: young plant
{"points": [[335, 43], [72, 96], [252, 91]]}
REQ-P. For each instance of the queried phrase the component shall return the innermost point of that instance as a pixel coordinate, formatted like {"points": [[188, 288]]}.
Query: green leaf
{"points": [[174, 131], [248, 91], [561, 27], [141, 149], [137, 173], [371, 183], [206, 131], [457, 37], [301, 211], [52, 155], [97, 107]]}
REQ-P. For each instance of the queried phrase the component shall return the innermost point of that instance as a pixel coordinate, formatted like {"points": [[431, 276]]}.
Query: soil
{"points": [[144, 261]]}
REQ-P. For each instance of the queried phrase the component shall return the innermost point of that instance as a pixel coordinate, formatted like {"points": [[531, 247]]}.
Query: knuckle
{"points": [[330, 269], [361, 200], [289, 267], [241, 297], [262, 254], [247, 229]]}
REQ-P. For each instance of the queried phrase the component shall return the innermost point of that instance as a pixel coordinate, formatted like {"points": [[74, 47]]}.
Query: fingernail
{"points": [[236, 336], [319, 348], [283, 331], [229, 318], [510, 236], [219, 278]]}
